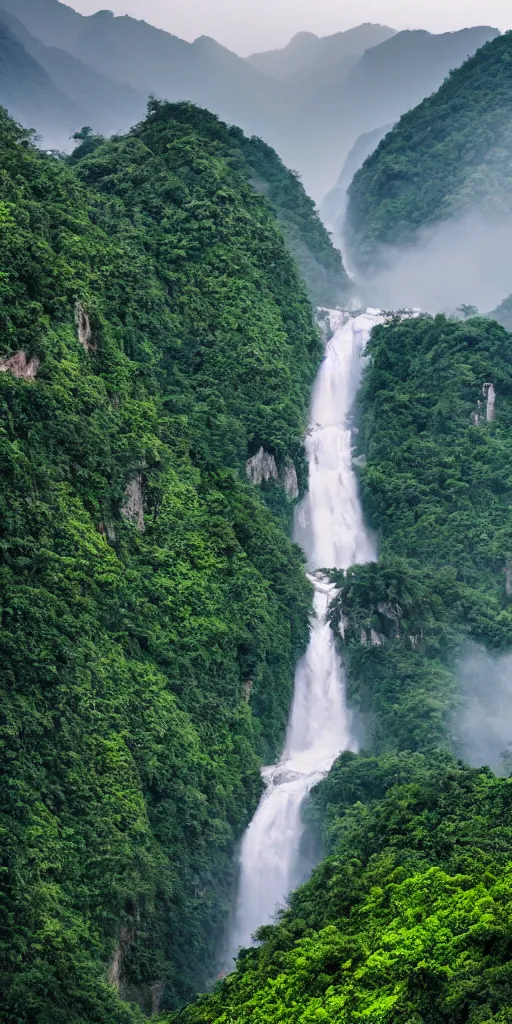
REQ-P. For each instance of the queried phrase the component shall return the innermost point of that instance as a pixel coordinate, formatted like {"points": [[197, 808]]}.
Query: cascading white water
{"points": [[329, 525]]}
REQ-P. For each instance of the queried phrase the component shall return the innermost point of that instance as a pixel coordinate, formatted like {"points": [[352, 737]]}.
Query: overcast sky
{"points": [[248, 25]]}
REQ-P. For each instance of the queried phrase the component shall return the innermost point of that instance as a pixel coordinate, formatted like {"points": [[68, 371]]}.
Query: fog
{"points": [[482, 725], [467, 261]]}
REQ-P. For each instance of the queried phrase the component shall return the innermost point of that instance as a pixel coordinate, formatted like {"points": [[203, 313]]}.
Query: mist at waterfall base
{"points": [[482, 720], [330, 528], [466, 260]]}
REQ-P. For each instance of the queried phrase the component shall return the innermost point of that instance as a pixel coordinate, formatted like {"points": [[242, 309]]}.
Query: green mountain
{"points": [[408, 917], [387, 81], [155, 336], [320, 264], [503, 313], [447, 157]]}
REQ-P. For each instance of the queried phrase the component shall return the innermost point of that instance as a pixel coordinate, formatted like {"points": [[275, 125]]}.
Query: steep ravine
{"points": [[329, 524]]}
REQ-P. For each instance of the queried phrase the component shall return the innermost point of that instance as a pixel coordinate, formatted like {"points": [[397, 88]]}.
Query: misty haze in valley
{"points": [[463, 261], [482, 722]]}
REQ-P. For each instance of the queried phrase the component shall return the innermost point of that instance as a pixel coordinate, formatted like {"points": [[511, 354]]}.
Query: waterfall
{"points": [[330, 528]]}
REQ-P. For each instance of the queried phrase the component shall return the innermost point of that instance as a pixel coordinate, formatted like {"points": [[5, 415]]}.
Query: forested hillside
{"points": [[155, 335], [447, 157], [319, 262], [408, 918]]}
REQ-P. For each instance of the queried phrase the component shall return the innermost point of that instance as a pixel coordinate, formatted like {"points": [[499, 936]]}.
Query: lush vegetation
{"points": [[436, 488], [448, 156], [320, 264], [407, 920], [154, 334]]}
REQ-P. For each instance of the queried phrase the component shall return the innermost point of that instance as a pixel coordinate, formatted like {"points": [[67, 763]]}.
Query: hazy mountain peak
{"points": [[283, 62], [29, 93], [299, 38], [306, 54], [210, 45], [104, 104]]}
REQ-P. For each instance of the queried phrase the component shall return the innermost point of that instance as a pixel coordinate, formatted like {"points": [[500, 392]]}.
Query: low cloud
{"points": [[459, 261], [482, 723]]}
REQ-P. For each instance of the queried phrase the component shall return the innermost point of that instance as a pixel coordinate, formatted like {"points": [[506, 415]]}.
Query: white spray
{"points": [[329, 525]]}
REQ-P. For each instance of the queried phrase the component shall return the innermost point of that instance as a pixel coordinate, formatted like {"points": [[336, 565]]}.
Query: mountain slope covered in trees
{"points": [[155, 335], [447, 157], [408, 917]]}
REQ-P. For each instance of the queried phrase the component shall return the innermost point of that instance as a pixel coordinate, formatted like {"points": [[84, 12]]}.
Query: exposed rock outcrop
{"points": [[290, 481], [83, 326], [508, 579], [19, 367], [133, 507], [261, 467], [107, 530], [115, 970], [490, 396]]}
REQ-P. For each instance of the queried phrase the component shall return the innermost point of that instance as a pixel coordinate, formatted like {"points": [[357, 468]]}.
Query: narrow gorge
{"points": [[329, 526]]}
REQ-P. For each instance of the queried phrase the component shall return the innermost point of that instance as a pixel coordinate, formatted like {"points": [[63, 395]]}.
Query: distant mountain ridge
{"points": [[336, 87], [29, 92], [333, 206], [307, 53], [112, 106], [135, 54], [387, 81]]}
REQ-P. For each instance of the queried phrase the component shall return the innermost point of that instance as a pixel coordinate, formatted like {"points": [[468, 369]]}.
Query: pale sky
{"points": [[248, 25]]}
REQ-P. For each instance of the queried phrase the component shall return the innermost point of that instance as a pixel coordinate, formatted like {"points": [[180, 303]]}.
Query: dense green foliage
{"points": [[407, 921], [436, 488], [448, 156], [147, 654], [320, 264]]}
